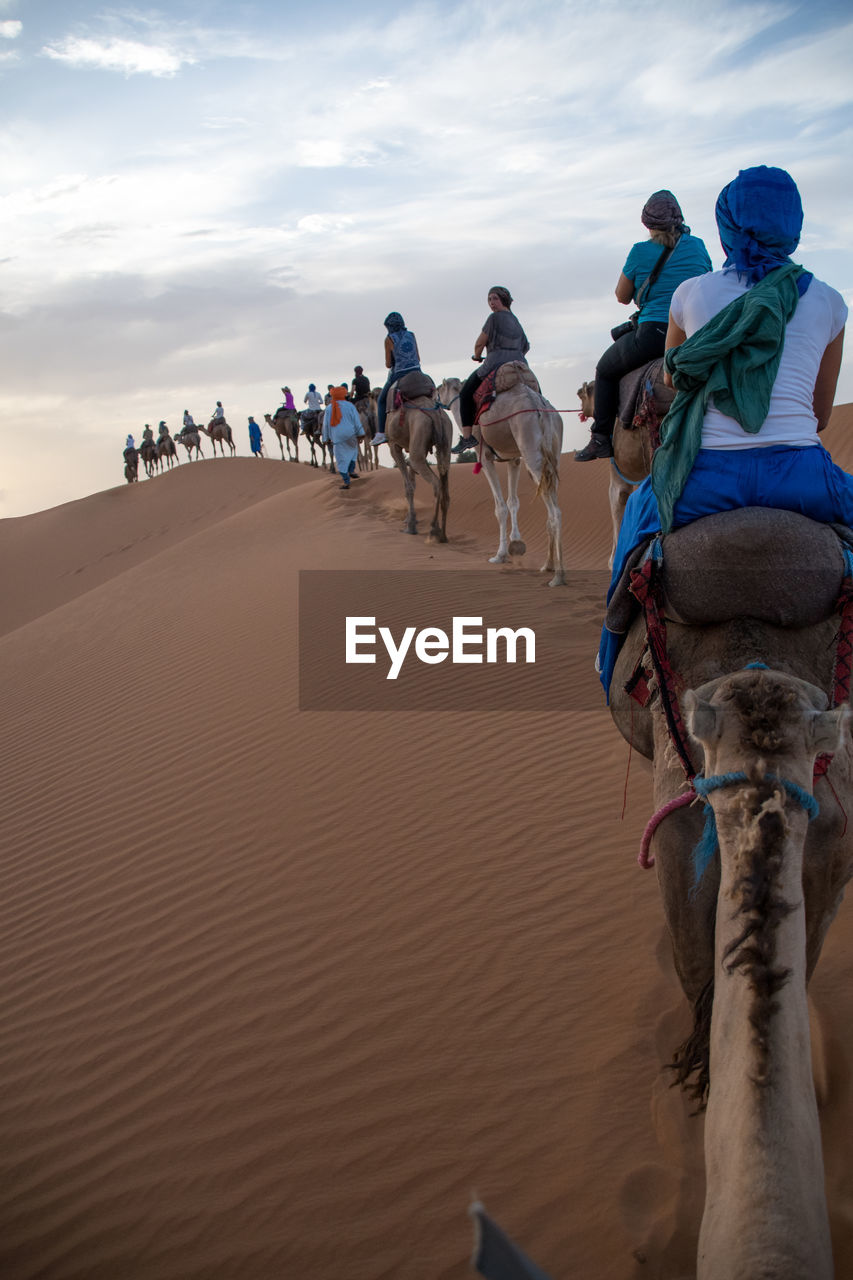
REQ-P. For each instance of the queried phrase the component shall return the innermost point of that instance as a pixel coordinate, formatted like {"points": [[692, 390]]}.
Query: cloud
{"points": [[127, 56], [11, 29]]}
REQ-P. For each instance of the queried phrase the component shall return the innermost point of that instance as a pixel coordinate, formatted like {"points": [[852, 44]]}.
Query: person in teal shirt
{"points": [[686, 256]]}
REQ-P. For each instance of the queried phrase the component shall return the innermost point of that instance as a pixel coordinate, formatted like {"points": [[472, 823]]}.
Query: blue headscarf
{"points": [[394, 322], [759, 218]]}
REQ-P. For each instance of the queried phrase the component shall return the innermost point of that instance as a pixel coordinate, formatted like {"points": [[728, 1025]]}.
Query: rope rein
{"points": [[700, 789]]}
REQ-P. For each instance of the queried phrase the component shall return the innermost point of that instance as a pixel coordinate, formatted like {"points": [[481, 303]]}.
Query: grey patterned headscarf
{"points": [[662, 212]]}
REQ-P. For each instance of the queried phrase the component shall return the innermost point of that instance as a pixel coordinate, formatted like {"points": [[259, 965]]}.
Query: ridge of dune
{"points": [[280, 988]]}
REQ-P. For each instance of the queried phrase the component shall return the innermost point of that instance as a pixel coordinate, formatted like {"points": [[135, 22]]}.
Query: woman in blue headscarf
{"points": [[401, 356], [754, 352]]}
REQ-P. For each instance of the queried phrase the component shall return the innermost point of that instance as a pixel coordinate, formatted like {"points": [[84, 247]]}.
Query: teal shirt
{"points": [[688, 258]]}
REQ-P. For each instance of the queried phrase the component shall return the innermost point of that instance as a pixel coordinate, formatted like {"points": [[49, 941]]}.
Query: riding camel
{"points": [[743, 649], [520, 425], [416, 428], [148, 454], [643, 402], [220, 433], [191, 440], [311, 426], [166, 452], [285, 423]]}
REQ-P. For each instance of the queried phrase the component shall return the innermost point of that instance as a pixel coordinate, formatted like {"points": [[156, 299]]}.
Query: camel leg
{"points": [[555, 538], [547, 480], [420, 466], [501, 509], [618, 493], [411, 525], [517, 546]]}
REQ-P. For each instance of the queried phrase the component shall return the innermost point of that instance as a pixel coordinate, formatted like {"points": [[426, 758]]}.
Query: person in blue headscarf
{"points": [[754, 352], [401, 356]]}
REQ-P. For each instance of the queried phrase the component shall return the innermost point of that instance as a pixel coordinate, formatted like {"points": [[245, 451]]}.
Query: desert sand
{"points": [[282, 990]]}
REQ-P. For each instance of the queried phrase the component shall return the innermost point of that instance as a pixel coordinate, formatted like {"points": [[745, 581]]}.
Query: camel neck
{"points": [[765, 1208]]}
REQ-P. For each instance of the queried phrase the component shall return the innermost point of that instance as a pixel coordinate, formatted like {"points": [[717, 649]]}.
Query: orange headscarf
{"points": [[337, 393]]}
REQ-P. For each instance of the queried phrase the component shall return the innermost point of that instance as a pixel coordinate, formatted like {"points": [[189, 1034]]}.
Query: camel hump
{"points": [[757, 562], [415, 384], [509, 375]]}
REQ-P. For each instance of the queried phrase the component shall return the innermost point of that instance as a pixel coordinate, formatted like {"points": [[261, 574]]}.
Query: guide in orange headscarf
{"points": [[342, 427]]}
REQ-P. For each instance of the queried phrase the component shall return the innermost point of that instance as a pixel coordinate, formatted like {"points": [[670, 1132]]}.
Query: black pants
{"points": [[632, 351], [467, 408]]}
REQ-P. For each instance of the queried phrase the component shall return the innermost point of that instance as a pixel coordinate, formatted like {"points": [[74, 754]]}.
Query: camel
{"points": [[166, 452], [419, 427], [190, 439], [633, 446], [131, 467], [150, 457], [285, 423], [519, 425], [448, 396], [748, 932], [311, 426], [221, 434], [368, 453]]}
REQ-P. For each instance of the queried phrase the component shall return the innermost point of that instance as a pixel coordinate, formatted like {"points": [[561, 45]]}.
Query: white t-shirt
{"points": [[819, 318], [313, 399]]}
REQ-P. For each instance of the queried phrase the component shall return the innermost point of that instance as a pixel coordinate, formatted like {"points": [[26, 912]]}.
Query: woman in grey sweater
{"points": [[504, 339]]}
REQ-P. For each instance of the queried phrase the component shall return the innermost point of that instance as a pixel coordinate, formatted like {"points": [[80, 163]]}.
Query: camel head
{"points": [[763, 720], [586, 393]]}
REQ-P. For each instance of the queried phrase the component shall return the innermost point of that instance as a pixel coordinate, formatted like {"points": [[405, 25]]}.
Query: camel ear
{"points": [[830, 730], [703, 718]]}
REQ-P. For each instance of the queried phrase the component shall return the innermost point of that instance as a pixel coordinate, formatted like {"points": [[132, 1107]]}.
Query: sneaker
{"points": [[379, 438], [600, 446], [465, 442]]}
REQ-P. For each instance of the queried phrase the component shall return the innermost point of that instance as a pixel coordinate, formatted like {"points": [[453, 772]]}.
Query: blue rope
{"points": [[707, 843]]}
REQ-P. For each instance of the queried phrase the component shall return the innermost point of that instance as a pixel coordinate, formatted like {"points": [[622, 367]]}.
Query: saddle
{"points": [[777, 567], [411, 386], [644, 400], [503, 379]]}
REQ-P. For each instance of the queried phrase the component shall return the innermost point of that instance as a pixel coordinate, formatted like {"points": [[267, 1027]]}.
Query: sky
{"points": [[205, 201]]}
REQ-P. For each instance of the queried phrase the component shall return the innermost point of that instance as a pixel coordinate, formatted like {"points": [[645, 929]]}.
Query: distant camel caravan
{"points": [[416, 426], [520, 425], [644, 400], [749, 897]]}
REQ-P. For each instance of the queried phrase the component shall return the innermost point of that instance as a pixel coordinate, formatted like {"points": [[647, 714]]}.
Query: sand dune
{"points": [[281, 989]]}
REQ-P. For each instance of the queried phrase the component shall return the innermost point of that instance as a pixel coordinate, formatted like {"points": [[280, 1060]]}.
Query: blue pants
{"points": [[794, 479], [381, 403]]}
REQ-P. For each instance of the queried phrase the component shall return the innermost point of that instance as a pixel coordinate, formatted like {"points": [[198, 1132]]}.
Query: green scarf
{"points": [[734, 358]]}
